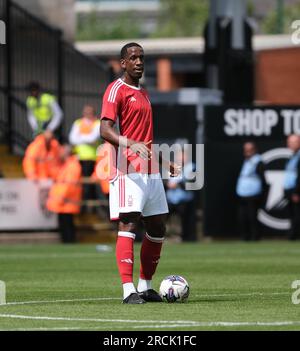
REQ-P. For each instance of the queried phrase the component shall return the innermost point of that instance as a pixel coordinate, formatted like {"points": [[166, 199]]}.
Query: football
{"points": [[174, 288]]}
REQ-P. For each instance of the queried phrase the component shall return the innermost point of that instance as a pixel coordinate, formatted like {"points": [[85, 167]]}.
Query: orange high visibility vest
{"points": [[66, 192], [102, 167], [39, 162]]}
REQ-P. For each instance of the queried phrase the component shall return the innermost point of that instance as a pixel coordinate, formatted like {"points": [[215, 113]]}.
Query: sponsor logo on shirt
{"points": [[130, 200]]}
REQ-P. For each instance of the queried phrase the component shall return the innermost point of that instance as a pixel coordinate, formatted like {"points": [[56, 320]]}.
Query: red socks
{"points": [[125, 256], [150, 255]]}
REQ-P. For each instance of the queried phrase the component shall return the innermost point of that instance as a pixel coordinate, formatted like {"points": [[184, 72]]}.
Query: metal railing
{"points": [[34, 51]]}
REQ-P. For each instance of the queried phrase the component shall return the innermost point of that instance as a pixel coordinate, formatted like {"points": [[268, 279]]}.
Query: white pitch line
{"points": [[79, 328], [244, 294], [221, 324], [59, 301], [159, 326], [100, 320], [116, 298], [41, 328], [167, 324]]}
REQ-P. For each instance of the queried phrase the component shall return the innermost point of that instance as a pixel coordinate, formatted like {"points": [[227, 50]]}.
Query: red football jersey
{"points": [[130, 108]]}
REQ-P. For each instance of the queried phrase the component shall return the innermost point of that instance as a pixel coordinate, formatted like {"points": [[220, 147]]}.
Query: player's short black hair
{"points": [[127, 46]]}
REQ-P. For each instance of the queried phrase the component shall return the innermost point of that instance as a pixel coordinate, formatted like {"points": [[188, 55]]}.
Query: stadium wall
{"points": [[277, 73]]}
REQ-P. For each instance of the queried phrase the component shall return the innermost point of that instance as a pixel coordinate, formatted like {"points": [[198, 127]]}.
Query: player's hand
{"points": [[141, 149], [175, 170]]}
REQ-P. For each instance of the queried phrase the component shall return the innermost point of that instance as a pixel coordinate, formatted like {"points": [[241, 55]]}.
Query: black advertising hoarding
{"points": [[226, 129], [171, 122]]}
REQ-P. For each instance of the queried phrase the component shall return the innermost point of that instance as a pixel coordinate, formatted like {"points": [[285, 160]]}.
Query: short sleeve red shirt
{"points": [[130, 108]]}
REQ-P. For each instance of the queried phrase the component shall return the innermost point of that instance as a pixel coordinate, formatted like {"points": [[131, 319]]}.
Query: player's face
{"points": [[133, 64]]}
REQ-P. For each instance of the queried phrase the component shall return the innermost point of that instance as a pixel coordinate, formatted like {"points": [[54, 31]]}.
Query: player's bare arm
{"points": [[108, 133]]}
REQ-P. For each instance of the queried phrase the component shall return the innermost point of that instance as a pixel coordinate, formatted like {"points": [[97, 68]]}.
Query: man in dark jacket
{"points": [[251, 189], [292, 185]]}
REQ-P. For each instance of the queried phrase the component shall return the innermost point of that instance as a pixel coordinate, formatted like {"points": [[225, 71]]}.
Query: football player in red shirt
{"points": [[136, 188]]}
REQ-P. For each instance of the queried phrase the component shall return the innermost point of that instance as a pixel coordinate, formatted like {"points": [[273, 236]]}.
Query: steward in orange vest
{"points": [[65, 194], [101, 172], [41, 159]]}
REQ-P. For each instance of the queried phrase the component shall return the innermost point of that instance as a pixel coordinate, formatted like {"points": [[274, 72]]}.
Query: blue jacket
{"points": [[292, 172], [180, 195], [250, 182]]}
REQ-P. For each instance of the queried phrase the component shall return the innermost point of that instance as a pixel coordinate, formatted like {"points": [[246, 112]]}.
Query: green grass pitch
{"points": [[233, 285]]}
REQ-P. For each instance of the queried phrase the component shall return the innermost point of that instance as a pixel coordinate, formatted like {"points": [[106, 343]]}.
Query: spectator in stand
{"points": [[65, 194], [102, 168], [181, 201], [251, 190], [41, 159], [43, 111], [292, 185], [85, 137], [100, 176]]}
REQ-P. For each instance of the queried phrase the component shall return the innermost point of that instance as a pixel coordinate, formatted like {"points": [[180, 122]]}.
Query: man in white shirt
{"points": [[85, 136]]}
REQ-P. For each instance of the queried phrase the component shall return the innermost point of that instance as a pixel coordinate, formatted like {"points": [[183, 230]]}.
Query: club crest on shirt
{"points": [[133, 99], [130, 200]]}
